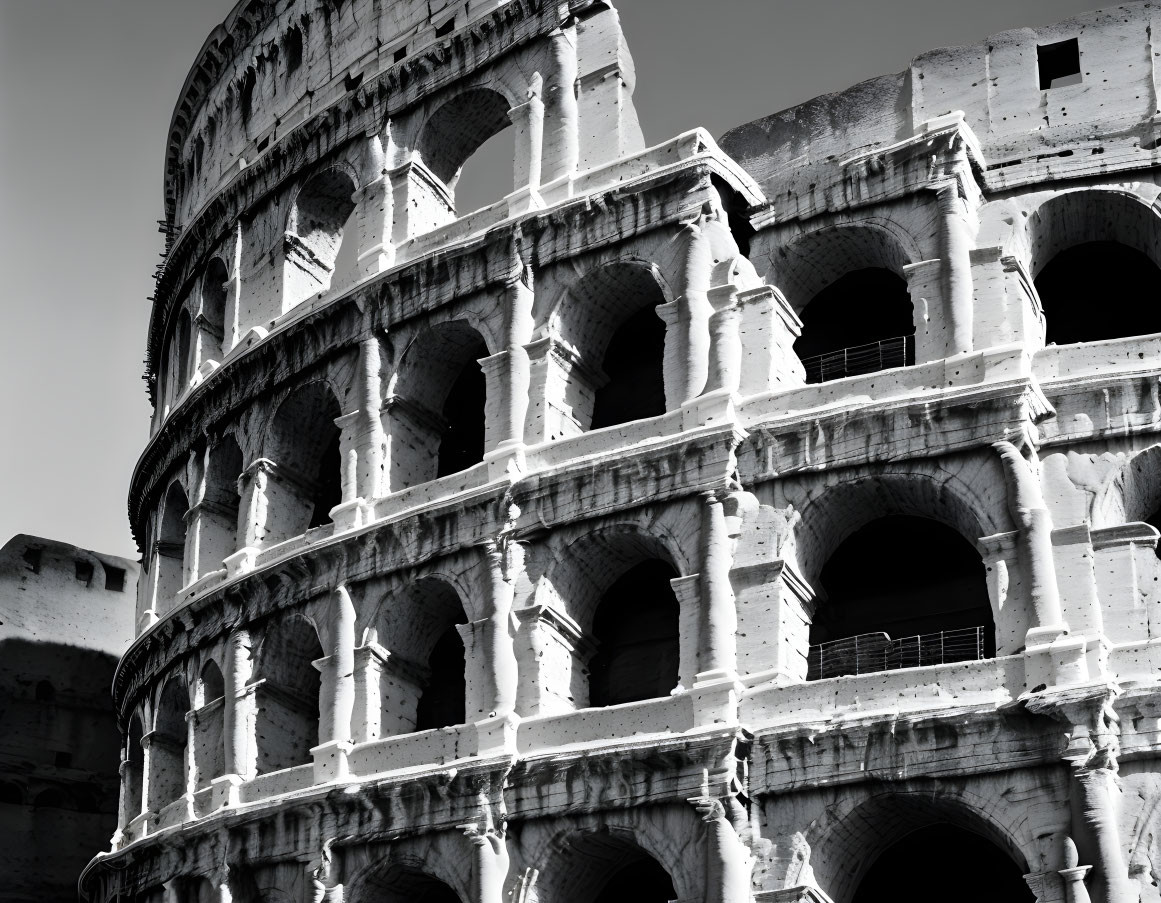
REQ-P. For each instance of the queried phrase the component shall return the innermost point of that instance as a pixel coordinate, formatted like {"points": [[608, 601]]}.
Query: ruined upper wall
{"points": [[272, 65], [1105, 121]]}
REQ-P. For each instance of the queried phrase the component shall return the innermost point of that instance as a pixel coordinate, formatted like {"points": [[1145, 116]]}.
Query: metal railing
{"points": [[871, 652], [881, 355]]}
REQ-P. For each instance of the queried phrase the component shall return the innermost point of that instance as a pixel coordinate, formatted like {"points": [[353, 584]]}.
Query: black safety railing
{"points": [[881, 355], [870, 652]]}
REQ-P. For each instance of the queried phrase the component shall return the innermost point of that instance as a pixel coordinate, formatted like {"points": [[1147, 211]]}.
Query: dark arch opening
{"points": [[304, 443], [860, 323], [1099, 290], [214, 305], [472, 124], [135, 770], [461, 443], [605, 866], [167, 746], [53, 798], [441, 703], [634, 364], [872, 617], [45, 691], [930, 857], [321, 223], [636, 629], [171, 548], [288, 700], [642, 881], [182, 375], [209, 755], [407, 885], [10, 794], [213, 684]]}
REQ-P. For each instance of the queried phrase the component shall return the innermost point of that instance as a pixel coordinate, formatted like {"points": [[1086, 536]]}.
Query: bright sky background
{"points": [[86, 92]]}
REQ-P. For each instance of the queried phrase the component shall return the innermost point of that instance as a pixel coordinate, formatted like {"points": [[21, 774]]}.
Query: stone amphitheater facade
{"points": [[758, 520]]}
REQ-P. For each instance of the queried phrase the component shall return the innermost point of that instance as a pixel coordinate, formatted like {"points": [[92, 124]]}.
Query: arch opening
{"points": [[605, 866], [208, 723], [307, 479], [404, 884], [318, 220], [634, 366], [929, 855], [861, 322], [614, 370], [133, 781], [442, 699], [937, 612], [287, 722], [1099, 290], [636, 630], [171, 576], [167, 746], [220, 509], [438, 406], [212, 322], [469, 145]]}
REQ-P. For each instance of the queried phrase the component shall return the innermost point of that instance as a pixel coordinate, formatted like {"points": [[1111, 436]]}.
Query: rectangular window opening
{"points": [[114, 579], [1059, 64], [83, 571], [63, 759], [447, 28], [32, 559], [400, 54]]}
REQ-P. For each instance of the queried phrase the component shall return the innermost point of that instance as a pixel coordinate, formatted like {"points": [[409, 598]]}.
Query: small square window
{"points": [[83, 571], [114, 579], [400, 54], [447, 28], [63, 760], [1059, 64], [32, 559]]}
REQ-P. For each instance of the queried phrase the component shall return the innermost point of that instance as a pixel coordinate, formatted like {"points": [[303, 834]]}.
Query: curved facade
{"points": [[692, 522]]}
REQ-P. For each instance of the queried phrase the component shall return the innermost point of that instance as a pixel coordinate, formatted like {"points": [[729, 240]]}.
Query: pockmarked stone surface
{"points": [[771, 519]]}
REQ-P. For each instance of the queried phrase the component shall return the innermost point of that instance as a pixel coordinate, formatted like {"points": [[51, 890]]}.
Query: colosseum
{"points": [[770, 519]]}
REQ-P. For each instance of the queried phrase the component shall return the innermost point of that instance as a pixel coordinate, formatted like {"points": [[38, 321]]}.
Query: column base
{"points": [[240, 562], [506, 458], [1059, 662], [497, 735], [523, 200], [330, 761], [349, 515], [224, 791], [712, 408], [715, 695], [559, 189]]}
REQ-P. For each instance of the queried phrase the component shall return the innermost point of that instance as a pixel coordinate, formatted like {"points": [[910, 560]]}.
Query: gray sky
{"points": [[86, 91]]}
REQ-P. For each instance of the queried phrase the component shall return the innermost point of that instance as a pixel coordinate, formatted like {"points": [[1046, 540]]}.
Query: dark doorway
{"points": [[860, 323], [945, 863], [636, 628], [934, 609], [441, 703], [461, 444], [642, 881], [1099, 290], [634, 365]]}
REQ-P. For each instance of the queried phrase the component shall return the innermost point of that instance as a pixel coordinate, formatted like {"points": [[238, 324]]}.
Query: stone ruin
{"points": [[769, 519]]}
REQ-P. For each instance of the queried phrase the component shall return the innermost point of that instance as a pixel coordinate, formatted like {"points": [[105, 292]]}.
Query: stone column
{"points": [[253, 510], [768, 329], [687, 346], [955, 237], [561, 148], [717, 652], [233, 292], [239, 754], [489, 862], [528, 121], [497, 731], [338, 690], [607, 121], [508, 374], [375, 211], [1096, 810]]}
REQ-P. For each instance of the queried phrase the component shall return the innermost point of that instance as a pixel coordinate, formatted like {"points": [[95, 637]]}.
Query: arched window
{"points": [[304, 445], [606, 866], [288, 697], [441, 698], [860, 323], [53, 798], [208, 720], [167, 747], [220, 506], [609, 320], [437, 406], [473, 124], [928, 856], [212, 322], [135, 769], [636, 629], [633, 365], [171, 548], [1119, 281], [404, 884], [10, 794], [181, 355], [315, 232], [873, 618]]}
